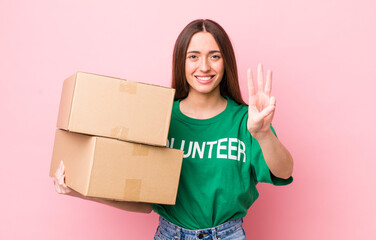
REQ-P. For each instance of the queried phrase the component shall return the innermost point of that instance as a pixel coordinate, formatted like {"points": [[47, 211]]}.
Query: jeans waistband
{"points": [[222, 229]]}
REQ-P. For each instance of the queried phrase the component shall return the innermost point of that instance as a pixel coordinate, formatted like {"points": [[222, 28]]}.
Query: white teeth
{"points": [[204, 78]]}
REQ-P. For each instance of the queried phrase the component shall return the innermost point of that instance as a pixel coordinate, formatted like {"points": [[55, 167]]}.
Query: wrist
{"points": [[263, 135]]}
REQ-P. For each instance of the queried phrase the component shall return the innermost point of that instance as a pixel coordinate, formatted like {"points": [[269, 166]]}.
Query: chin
{"points": [[206, 89]]}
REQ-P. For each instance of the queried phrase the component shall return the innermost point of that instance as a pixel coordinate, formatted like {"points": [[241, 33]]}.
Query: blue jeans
{"points": [[231, 230]]}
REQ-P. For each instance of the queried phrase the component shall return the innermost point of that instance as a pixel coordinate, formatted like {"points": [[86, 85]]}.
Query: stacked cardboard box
{"points": [[111, 137]]}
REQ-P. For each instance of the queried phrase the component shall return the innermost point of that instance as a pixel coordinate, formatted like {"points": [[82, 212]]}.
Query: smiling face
{"points": [[204, 66]]}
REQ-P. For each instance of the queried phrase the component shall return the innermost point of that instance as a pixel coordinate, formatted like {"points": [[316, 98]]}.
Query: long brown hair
{"points": [[229, 85]]}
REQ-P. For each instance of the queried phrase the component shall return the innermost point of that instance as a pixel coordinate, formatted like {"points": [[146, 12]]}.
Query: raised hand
{"points": [[261, 104]]}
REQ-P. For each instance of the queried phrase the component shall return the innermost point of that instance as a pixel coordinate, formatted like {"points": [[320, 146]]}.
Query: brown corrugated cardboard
{"points": [[116, 108], [119, 170]]}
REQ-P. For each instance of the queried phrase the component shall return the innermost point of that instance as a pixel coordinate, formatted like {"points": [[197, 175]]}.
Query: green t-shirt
{"points": [[222, 165]]}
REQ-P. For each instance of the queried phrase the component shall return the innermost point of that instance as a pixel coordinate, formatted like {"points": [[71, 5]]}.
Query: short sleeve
{"points": [[260, 169]]}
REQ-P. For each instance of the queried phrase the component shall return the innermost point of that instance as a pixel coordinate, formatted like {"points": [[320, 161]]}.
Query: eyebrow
{"points": [[212, 51]]}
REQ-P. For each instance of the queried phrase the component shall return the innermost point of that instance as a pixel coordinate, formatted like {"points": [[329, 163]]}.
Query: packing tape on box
{"points": [[119, 132], [132, 189], [140, 150], [128, 87]]}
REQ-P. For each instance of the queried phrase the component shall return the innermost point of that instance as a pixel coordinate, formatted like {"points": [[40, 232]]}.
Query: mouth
{"points": [[204, 79]]}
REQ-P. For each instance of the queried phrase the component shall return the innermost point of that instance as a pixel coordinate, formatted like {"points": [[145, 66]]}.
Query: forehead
{"points": [[203, 41]]}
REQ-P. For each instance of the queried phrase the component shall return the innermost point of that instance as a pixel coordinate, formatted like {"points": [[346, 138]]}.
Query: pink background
{"points": [[322, 53]]}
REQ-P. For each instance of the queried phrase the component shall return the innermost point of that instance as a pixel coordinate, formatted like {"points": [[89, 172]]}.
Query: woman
{"points": [[229, 147]]}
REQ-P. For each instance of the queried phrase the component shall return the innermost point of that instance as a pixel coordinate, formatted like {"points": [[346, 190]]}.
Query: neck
{"points": [[203, 106]]}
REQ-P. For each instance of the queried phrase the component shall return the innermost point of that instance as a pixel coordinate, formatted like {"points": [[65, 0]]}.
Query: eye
{"points": [[193, 57], [216, 57]]}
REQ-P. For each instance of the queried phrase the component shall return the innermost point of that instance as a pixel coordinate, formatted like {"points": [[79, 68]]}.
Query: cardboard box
{"points": [[116, 108], [119, 170]]}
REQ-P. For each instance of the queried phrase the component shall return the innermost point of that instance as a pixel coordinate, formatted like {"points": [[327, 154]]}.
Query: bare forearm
{"points": [[277, 157], [123, 205]]}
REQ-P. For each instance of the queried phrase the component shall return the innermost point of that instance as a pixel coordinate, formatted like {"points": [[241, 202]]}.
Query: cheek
{"points": [[219, 67], [190, 68]]}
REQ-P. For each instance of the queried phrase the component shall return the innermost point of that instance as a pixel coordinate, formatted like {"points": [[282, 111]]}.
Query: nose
{"points": [[204, 65]]}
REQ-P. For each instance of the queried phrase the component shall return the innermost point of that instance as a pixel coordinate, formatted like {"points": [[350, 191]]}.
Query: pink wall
{"points": [[323, 56]]}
